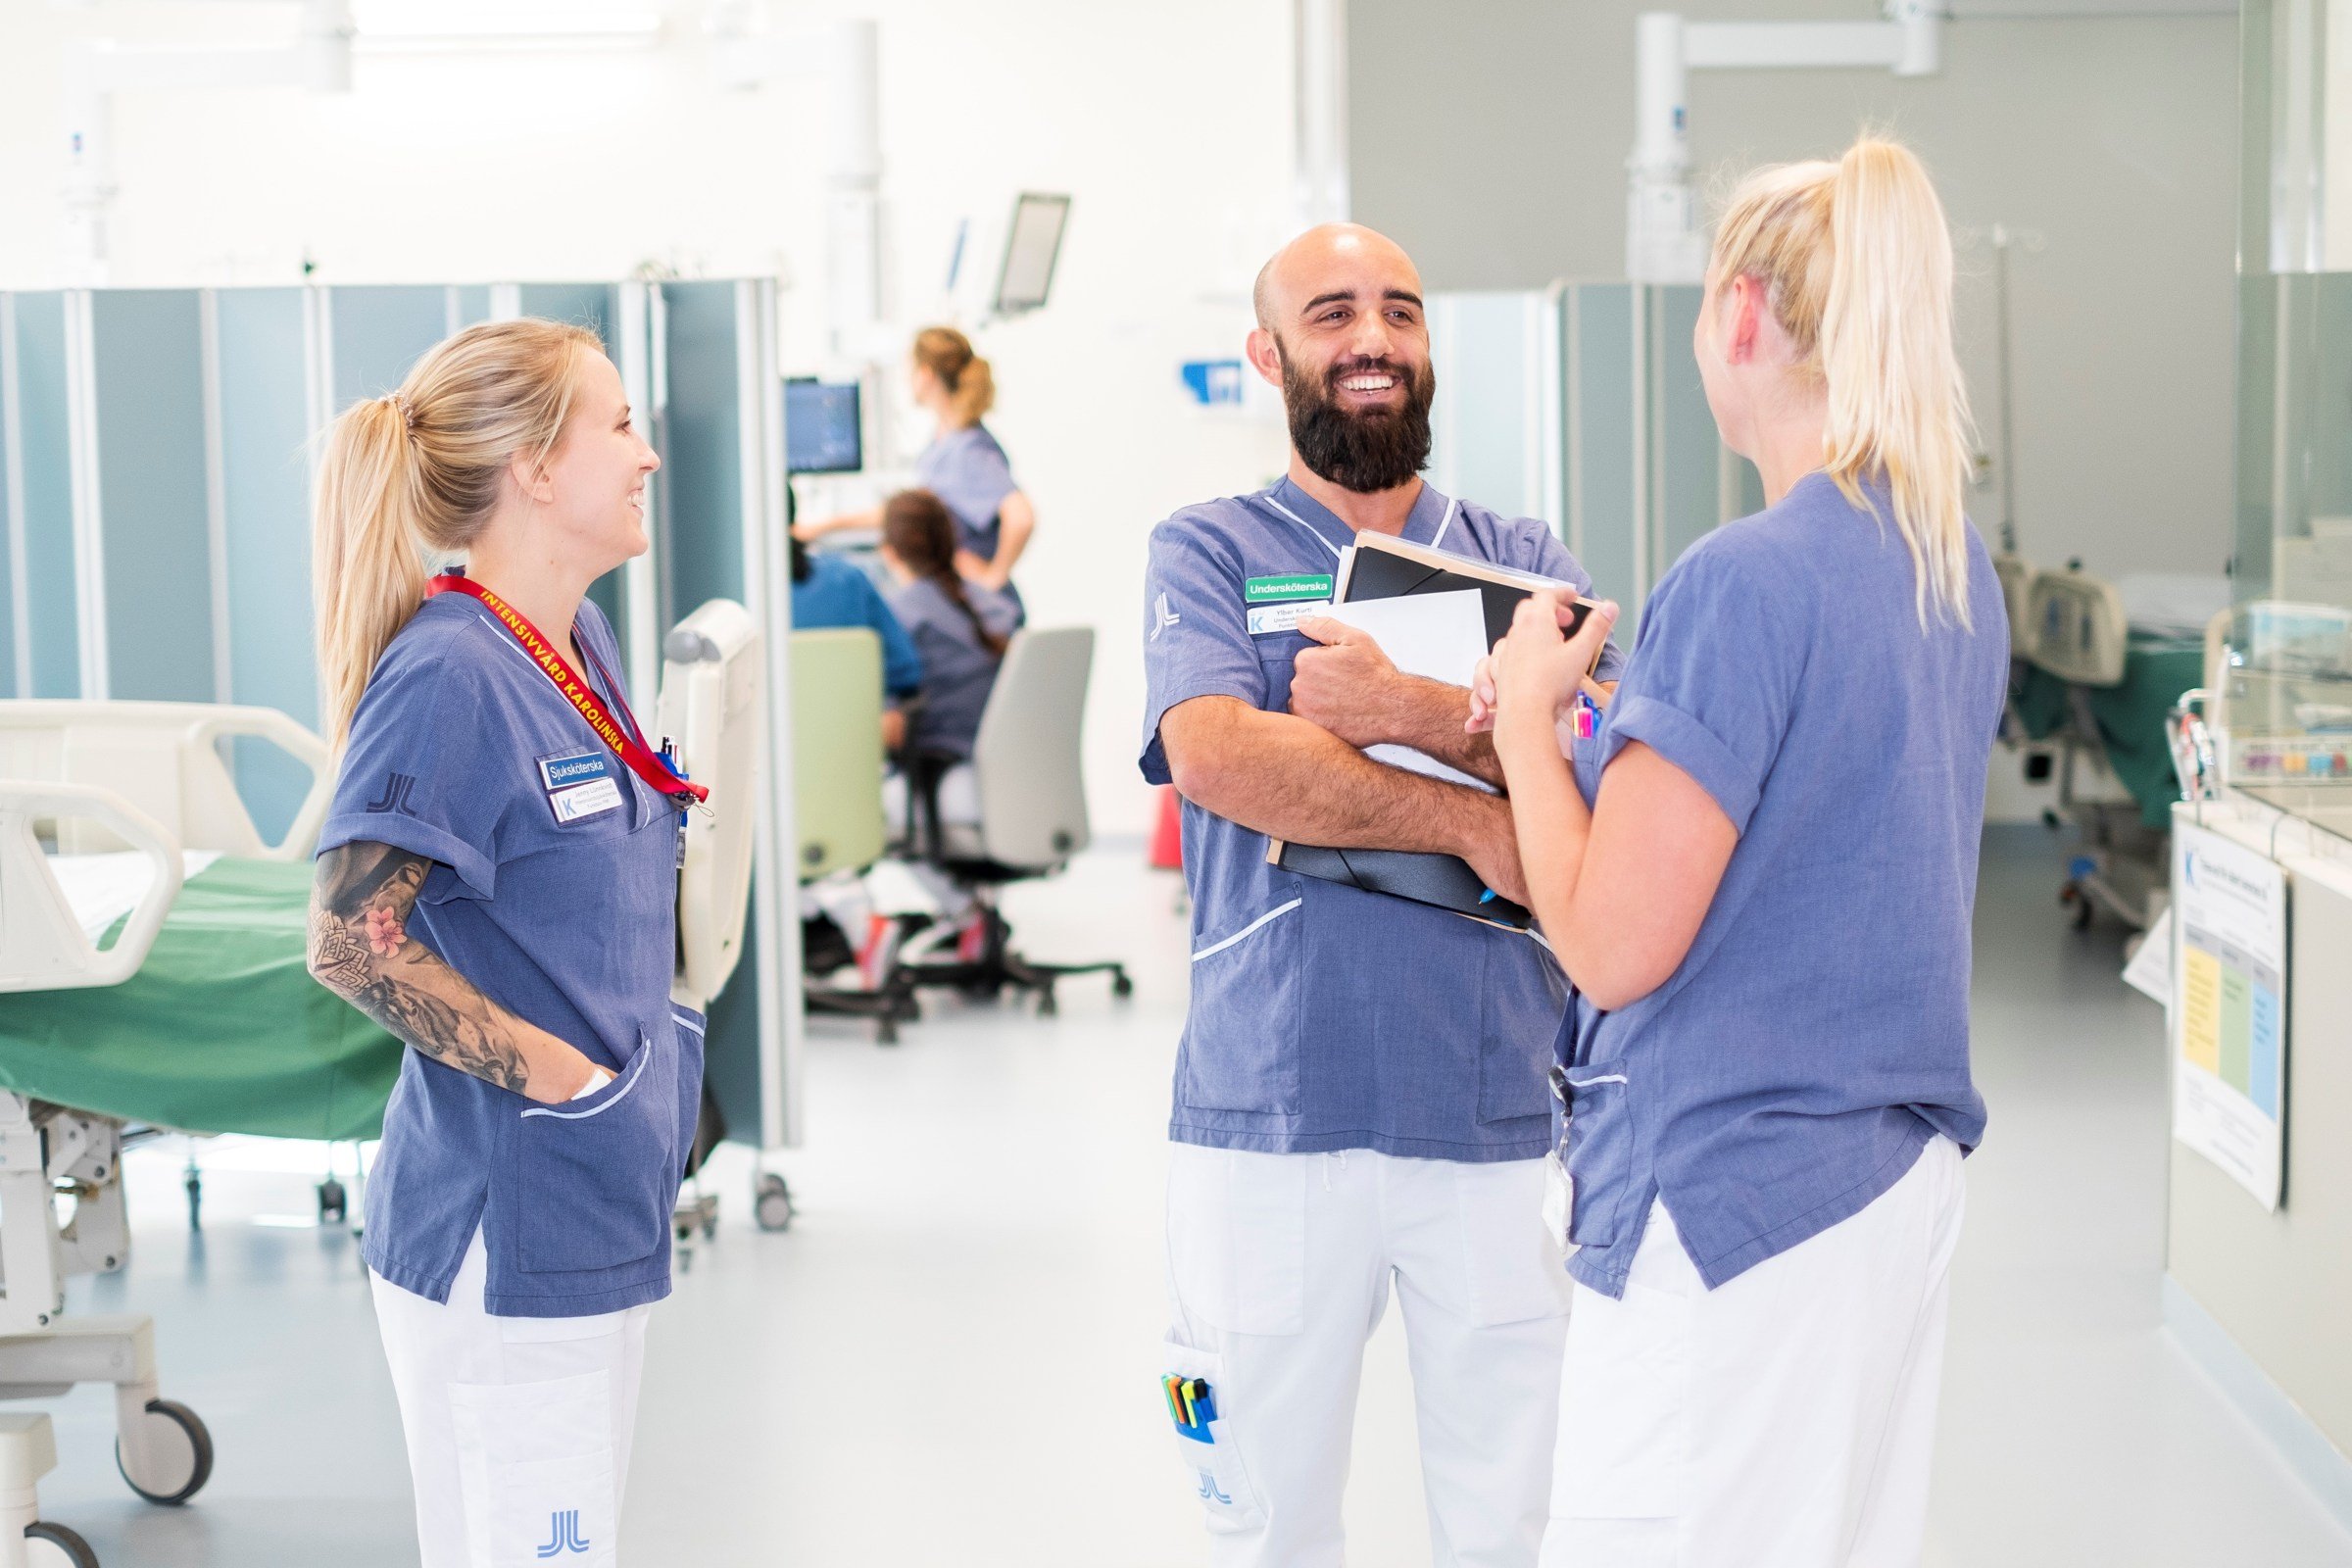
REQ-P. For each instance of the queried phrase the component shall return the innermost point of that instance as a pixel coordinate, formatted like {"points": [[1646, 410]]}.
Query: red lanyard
{"points": [[628, 744]]}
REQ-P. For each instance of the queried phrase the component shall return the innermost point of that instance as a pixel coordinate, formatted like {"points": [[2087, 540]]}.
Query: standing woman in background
{"points": [[1759, 882], [963, 465], [496, 885]]}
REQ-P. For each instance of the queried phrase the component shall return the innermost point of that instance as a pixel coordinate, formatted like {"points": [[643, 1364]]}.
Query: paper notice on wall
{"points": [[2151, 969], [2228, 1010]]}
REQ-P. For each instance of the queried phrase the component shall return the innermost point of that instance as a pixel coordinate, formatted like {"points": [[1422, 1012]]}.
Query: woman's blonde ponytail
{"points": [[970, 385], [367, 576], [416, 474], [975, 391], [1856, 262], [1899, 407]]}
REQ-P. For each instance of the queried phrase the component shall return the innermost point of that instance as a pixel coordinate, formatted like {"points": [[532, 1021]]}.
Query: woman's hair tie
{"points": [[408, 409]]}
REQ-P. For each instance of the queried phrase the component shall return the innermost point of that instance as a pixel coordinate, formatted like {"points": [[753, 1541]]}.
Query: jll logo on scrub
{"points": [[564, 1534]]}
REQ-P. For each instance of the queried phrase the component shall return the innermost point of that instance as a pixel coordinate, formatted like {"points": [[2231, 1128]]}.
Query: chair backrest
{"points": [[166, 762], [2077, 629], [837, 749], [713, 681], [1027, 756]]}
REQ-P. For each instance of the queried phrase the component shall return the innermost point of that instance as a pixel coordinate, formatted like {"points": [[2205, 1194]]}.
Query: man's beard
{"points": [[1367, 451]]}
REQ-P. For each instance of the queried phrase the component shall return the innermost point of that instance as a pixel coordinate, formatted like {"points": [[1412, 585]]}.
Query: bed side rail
{"points": [[42, 945]]}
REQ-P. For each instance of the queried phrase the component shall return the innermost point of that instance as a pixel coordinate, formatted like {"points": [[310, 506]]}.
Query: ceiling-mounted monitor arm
{"points": [[97, 69], [1663, 242]]}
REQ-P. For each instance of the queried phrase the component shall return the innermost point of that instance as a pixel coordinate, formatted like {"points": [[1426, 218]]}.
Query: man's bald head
{"points": [[1326, 258], [1342, 331]]}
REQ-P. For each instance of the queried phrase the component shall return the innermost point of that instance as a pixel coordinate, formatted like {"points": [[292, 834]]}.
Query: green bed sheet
{"points": [[2131, 716], [222, 1030]]}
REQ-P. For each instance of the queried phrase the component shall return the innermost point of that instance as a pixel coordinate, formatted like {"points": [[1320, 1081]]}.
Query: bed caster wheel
{"points": [[1046, 1006], [886, 1030], [1120, 986], [2074, 899], [195, 1185], [771, 1203], [48, 1545], [334, 1204], [182, 1450]]}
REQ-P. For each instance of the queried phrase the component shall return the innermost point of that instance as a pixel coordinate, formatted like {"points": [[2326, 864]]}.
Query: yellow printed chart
{"points": [[2229, 1007]]}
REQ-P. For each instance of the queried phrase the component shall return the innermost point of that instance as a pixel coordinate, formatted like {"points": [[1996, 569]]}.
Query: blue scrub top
{"points": [[958, 670], [1325, 1017], [968, 471], [570, 925], [839, 594], [1815, 1038]]}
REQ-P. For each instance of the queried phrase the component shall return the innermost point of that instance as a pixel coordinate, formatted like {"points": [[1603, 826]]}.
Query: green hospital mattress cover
{"points": [[2131, 716], [222, 1030]]}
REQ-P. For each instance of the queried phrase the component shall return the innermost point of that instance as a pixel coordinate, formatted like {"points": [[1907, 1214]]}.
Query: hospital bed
{"points": [[105, 810], [152, 971], [2096, 669]]}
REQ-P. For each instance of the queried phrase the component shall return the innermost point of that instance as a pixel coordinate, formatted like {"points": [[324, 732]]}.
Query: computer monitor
{"points": [[823, 430], [1032, 244]]}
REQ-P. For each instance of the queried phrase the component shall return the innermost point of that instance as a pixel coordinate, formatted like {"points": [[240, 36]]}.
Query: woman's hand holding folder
{"points": [[1544, 660]]}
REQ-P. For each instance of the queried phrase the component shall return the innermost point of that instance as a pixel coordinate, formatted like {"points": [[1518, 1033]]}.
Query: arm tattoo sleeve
{"points": [[360, 949]]}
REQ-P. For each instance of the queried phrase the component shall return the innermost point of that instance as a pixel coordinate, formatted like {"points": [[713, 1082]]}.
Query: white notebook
{"points": [[1436, 636]]}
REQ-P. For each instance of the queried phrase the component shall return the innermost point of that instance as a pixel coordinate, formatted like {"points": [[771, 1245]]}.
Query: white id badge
{"points": [[1266, 619], [1559, 1199]]}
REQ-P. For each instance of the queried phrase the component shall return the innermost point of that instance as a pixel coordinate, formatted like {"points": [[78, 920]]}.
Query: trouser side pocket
{"points": [[1192, 1390], [536, 1462]]}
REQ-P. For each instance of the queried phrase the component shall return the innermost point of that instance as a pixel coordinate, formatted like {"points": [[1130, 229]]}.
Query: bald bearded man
{"points": [[1360, 1098]]}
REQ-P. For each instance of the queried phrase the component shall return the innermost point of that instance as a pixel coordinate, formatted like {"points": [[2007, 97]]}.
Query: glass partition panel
{"points": [[44, 480]]}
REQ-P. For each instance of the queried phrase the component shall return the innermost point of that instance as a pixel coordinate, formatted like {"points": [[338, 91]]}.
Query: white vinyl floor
{"points": [[950, 1359]]}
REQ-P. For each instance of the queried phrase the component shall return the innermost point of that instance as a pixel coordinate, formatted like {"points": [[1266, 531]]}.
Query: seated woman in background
{"points": [[831, 591], [960, 628]]}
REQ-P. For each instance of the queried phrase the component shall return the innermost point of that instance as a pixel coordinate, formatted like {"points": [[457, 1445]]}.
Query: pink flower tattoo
{"points": [[384, 932]]}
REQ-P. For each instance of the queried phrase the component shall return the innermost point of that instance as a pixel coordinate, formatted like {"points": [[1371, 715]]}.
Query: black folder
{"points": [[1443, 880], [1380, 566]]}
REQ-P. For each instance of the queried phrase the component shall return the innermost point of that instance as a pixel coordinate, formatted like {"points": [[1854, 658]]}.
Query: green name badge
{"points": [[1273, 590]]}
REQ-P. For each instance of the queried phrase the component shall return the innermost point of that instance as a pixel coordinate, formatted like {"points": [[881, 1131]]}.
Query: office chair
{"points": [[1026, 763], [837, 803]]}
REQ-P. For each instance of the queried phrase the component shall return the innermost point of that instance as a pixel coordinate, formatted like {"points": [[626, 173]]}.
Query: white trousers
{"points": [[1786, 1420], [1280, 1267], [518, 1426]]}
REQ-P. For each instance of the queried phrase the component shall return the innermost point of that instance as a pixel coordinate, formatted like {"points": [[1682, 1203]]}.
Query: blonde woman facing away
{"points": [[1758, 878], [496, 885], [963, 465]]}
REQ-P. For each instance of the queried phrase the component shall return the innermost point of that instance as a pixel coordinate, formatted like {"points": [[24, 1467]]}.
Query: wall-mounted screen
{"points": [[1032, 244]]}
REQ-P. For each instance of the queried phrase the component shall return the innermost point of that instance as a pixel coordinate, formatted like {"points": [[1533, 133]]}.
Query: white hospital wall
{"points": [[1174, 140]]}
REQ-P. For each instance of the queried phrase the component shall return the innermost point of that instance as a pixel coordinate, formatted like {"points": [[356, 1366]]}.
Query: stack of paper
{"points": [[1436, 636]]}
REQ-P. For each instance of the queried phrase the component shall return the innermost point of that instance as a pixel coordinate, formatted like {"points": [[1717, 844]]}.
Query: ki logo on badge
{"points": [[564, 1534], [1210, 1492]]}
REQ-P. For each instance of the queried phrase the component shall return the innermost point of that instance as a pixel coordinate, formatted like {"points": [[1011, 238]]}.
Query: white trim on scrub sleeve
{"points": [[517, 1428], [1279, 1269], [1785, 1419]]}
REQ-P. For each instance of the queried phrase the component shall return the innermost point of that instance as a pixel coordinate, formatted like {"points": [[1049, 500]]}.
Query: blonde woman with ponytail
{"points": [[1758, 878], [496, 885], [963, 465]]}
